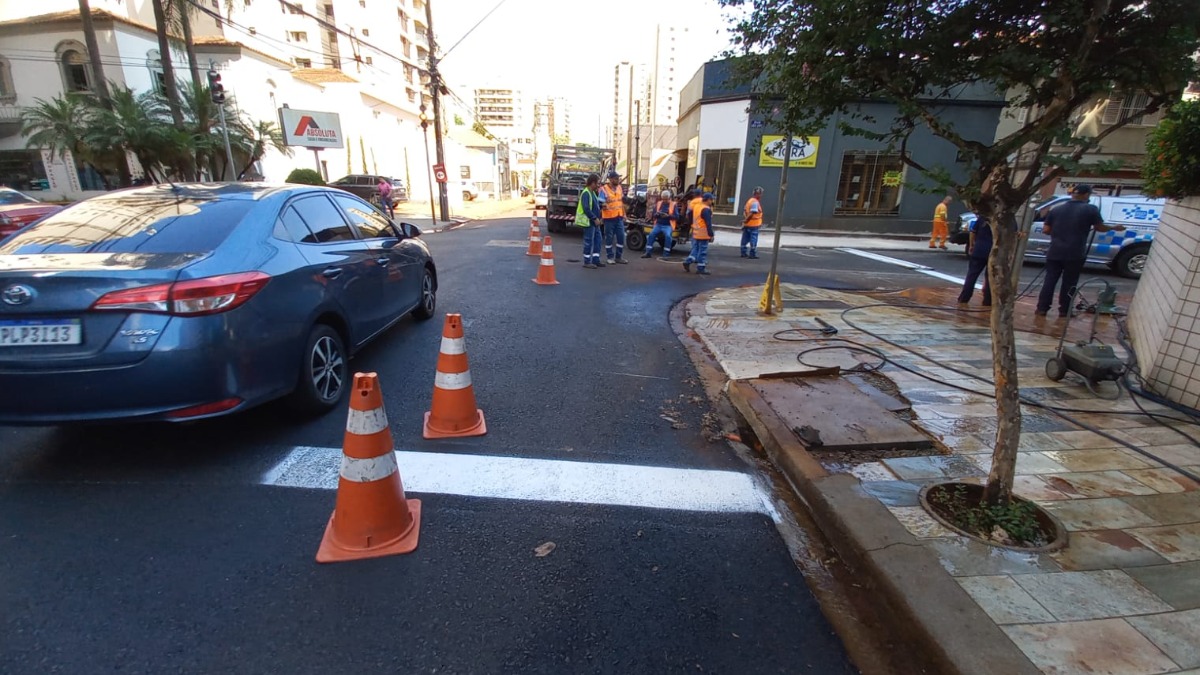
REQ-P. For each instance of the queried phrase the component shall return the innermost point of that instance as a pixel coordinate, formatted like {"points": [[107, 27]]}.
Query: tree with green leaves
{"points": [[1172, 167], [817, 59], [59, 125]]}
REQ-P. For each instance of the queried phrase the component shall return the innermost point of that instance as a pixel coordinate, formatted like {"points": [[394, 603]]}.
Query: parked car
{"points": [[195, 300], [18, 209], [1125, 252], [367, 187], [470, 192], [540, 197]]}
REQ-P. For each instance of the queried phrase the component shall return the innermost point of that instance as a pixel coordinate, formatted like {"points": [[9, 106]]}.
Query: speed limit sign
{"points": [[439, 173]]}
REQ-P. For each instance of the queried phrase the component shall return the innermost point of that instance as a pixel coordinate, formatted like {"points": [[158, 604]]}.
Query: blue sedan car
{"points": [[195, 300]]}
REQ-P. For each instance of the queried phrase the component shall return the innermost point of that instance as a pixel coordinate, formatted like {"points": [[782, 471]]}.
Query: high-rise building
{"points": [[502, 111], [678, 53], [631, 97]]}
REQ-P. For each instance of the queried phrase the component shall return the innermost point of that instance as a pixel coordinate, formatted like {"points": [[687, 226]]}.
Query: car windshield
{"points": [[133, 223], [13, 197]]}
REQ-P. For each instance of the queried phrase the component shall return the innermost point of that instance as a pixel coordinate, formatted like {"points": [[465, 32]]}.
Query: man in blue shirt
{"points": [[979, 247], [702, 234], [588, 217], [665, 216], [1069, 226]]}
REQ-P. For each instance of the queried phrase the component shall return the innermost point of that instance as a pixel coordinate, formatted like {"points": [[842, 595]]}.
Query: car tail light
{"points": [[205, 409], [195, 297]]}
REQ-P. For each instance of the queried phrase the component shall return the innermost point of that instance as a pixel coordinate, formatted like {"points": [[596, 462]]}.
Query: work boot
{"points": [[753, 255], [701, 270], [589, 266], [622, 261], [744, 255], [687, 265], [647, 254]]}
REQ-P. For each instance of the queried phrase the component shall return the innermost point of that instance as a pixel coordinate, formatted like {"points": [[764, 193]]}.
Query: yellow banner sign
{"points": [[891, 179], [774, 149]]}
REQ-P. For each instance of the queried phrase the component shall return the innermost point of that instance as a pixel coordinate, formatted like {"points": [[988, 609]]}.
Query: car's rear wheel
{"points": [[323, 372], [428, 305], [1132, 262]]}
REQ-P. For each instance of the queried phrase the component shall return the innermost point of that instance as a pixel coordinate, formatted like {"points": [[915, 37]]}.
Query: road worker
{"points": [[752, 218], [612, 210], [702, 234], [665, 216]]}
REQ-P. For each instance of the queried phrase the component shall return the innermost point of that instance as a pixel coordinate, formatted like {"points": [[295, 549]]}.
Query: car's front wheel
{"points": [[323, 372], [428, 304], [1132, 261]]}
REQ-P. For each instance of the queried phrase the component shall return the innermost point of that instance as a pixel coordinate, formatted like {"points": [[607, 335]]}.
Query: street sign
{"points": [[439, 173], [311, 128]]}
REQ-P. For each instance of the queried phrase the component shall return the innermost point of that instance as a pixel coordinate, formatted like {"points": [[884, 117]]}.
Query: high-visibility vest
{"points": [[753, 218], [699, 227], [671, 214], [614, 203]]}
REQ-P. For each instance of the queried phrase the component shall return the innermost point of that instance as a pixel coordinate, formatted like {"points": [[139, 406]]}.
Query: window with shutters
{"points": [[1121, 105], [870, 184]]}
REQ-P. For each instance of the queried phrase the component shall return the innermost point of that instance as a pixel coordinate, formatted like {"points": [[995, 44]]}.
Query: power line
{"points": [[464, 37]]}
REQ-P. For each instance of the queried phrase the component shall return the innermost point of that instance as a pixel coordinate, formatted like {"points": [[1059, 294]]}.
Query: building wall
{"points": [[1164, 317]]}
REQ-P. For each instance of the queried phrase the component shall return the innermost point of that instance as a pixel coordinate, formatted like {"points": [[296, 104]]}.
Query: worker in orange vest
{"points": [[664, 224], [702, 234], [612, 211], [941, 225], [752, 217]]}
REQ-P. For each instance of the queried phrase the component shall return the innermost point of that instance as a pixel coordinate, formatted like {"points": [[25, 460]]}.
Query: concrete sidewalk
{"points": [[731, 236], [419, 213], [1122, 597]]}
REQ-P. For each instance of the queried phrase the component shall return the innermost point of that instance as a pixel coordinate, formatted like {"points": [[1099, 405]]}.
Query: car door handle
{"points": [[383, 261], [332, 272]]}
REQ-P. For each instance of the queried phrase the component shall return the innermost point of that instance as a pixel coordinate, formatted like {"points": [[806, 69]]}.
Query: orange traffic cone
{"points": [[545, 275], [453, 413], [535, 237], [372, 517]]}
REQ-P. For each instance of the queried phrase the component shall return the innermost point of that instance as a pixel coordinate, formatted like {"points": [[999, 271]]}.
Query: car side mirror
{"points": [[410, 230]]}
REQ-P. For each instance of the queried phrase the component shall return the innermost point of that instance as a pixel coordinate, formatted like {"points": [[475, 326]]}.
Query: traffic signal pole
{"points": [[217, 91]]}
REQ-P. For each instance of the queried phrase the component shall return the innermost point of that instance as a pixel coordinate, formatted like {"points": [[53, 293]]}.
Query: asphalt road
{"points": [[183, 548], [150, 548]]}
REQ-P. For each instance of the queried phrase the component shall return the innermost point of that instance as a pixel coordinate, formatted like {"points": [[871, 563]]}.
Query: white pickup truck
{"points": [[1125, 252]]}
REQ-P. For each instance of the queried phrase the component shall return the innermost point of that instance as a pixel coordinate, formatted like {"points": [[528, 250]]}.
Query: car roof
{"points": [[240, 191]]}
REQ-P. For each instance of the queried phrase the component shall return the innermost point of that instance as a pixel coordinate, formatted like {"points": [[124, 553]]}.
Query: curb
{"points": [[925, 604], [835, 233]]}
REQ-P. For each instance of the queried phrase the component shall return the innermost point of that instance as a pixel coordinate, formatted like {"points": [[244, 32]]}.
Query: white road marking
{"points": [[509, 243], [547, 480], [648, 377], [923, 269]]}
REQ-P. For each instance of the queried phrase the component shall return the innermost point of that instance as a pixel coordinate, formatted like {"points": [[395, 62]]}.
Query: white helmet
{"points": [[665, 194]]}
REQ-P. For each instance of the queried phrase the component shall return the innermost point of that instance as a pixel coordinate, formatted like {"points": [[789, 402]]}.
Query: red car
{"points": [[18, 210]]}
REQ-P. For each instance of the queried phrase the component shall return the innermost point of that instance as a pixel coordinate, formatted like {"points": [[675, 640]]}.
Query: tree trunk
{"points": [[185, 21], [164, 50], [1004, 354], [100, 85]]}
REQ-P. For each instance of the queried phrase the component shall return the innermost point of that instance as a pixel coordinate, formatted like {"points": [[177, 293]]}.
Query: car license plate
{"points": [[40, 333]]}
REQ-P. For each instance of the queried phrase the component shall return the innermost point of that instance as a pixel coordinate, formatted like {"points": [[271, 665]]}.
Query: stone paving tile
{"points": [[872, 471], [918, 521], [1177, 543], [963, 557], [1099, 459], [1034, 463], [1105, 549], [967, 445], [894, 492], [1178, 584], [1105, 647], [1038, 441], [1083, 440], [1004, 600], [936, 466], [1170, 509], [1037, 489], [1098, 484], [1156, 435], [1179, 455], [1176, 633], [1099, 514], [1163, 480], [1098, 594]]}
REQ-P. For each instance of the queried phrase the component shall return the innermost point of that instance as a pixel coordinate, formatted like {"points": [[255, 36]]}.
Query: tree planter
{"points": [[1051, 535]]}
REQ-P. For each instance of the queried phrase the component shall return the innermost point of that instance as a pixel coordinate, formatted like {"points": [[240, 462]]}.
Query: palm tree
{"points": [[179, 15], [137, 123], [261, 134], [170, 85], [60, 124], [93, 47]]}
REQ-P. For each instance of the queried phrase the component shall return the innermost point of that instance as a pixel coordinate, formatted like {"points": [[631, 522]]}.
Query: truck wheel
{"points": [[635, 239], [552, 225], [1132, 261]]}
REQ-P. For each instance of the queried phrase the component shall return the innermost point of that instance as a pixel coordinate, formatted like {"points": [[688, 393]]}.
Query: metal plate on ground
{"points": [[831, 414]]}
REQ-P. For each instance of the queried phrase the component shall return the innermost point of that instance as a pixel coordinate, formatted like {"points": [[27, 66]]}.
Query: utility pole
{"points": [[628, 119], [217, 91], [435, 85], [637, 145]]}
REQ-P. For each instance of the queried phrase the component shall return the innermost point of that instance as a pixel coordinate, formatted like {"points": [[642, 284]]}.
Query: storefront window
{"points": [[870, 184], [23, 170], [720, 169]]}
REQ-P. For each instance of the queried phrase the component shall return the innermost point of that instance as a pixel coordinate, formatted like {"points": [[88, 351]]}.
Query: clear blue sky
{"points": [[554, 46]]}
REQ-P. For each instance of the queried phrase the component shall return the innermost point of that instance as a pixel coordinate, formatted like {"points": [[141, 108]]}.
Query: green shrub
{"points": [[1172, 167], [305, 177]]}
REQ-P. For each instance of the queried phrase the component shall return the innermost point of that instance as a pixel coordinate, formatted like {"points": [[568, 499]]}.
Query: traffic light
{"points": [[215, 88]]}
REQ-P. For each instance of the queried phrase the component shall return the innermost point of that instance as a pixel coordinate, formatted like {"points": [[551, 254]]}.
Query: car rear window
{"points": [[133, 224]]}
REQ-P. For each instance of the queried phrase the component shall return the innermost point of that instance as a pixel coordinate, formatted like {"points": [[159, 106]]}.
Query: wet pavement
{"points": [[1124, 596]]}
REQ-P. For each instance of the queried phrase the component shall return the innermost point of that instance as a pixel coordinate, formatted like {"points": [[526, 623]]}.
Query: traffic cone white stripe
{"points": [[452, 381], [547, 262], [366, 422], [454, 346], [368, 470]]}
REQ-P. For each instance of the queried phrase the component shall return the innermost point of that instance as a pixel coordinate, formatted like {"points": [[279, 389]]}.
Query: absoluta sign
{"points": [[311, 128]]}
